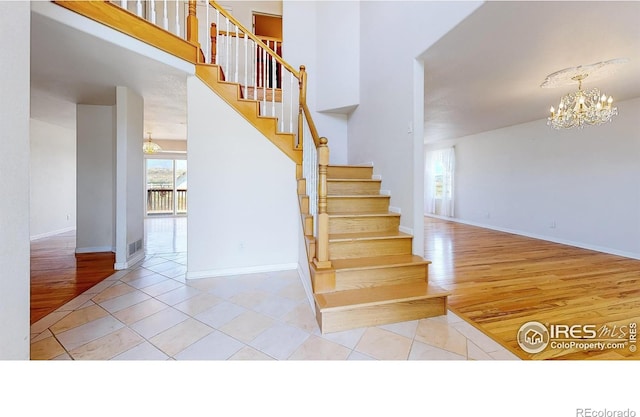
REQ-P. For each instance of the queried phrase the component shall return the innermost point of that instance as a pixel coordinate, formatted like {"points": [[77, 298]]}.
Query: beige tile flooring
{"points": [[151, 312]]}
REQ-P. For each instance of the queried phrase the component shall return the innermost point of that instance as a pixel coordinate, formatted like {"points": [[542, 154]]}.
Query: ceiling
{"points": [[87, 73], [483, 75], [486, 73]]}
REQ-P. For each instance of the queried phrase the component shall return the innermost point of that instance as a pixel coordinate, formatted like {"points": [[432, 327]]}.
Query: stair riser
{"points": [[369, 248], [358, 205], [393, 275], [364, 224], [375, 315], [353, 188], [335, 172]]}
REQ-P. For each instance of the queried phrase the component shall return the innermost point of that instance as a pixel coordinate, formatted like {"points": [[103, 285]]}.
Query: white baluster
{"points": [[246, 64], [165, 19], [254, 71], [139, 8], [226, 52], [291, 106], [177, 32], [273, 85], [207, 59], [153, 12], [217, 36], [237, 60], [264, 76], [123, 4]]}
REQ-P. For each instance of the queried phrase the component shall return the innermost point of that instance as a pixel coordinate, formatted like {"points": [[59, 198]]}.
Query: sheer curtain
{"points": [[440, 166]]}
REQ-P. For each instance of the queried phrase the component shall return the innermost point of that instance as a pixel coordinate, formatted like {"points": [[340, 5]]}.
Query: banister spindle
{"points": [[237, 59], [123, 4], [254, 65], [153, 12], [246, 67], [322, 249], [272, 67], [213, 34], [291, 101], [177, 32], [165, 15], [208, 39], [139, 8], [226, 47], [264, 77], [217, 62]]}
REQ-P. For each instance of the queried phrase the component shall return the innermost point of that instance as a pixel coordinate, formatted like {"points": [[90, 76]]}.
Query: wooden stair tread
{"points": [[378, 262], [338, 237], [352, 180], [358, 196], [348, 299], [343, 214]]}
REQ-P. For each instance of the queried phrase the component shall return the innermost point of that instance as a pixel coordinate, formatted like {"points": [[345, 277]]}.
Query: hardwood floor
{"points": [[500, 281], [58, 275]]}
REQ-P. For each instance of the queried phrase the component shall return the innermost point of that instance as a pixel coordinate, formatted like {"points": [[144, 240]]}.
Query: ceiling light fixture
{"points": [[582, 107], [149, 147]]}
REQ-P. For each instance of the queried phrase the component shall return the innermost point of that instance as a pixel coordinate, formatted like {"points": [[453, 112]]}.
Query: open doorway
{"points": [[166, 187]]}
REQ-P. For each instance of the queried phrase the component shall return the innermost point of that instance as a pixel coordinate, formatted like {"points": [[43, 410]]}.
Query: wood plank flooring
{"points": [[500, 281], [58, 275]]}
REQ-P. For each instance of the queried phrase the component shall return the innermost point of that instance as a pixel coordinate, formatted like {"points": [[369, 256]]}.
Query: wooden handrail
{"points": [[255, 38], [305, 109]]}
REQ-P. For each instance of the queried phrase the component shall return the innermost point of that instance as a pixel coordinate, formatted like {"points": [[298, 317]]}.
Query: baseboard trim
{"points": [[92, 249], [52, 233], [406, 230], [581, 245], [395, 210], [240, 271], [306, 284], [129, 263]]}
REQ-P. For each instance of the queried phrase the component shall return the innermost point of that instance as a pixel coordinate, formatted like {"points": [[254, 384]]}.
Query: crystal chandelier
{"points": [[149, 147], [582, 107]]}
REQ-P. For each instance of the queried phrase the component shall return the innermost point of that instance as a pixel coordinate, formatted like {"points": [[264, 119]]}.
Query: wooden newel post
{"points": [[322, 249], [192, 24], [213, 33]]}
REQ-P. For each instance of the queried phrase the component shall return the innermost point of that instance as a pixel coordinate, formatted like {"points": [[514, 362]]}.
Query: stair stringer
{"points": [[249, 109]]}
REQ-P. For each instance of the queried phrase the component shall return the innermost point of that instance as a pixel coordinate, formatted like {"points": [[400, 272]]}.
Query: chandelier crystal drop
{"points": [[582, 107]]}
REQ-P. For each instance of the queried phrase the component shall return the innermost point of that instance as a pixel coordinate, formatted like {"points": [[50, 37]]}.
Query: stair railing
{"points": [[256, 64]]}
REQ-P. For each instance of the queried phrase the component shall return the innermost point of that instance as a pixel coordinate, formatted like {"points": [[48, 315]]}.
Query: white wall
{"points": [[338, 55], [379, 127], [53, 179], [130, 207], [301, 35], [15, 21], [575, 186], [243, 211], [95, 178]]}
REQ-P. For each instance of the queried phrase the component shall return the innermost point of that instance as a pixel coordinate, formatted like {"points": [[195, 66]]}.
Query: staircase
{"points": [[363, 272], [374, 278]]}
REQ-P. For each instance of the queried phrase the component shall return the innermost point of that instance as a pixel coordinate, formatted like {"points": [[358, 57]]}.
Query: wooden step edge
{"points": [[347, 237], [364, 297], [363, 215], [358, 196], [352, 180], [349, 166], [363, 264]]}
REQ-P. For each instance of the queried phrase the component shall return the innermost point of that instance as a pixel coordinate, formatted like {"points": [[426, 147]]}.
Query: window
{"points": [[439, 182]]}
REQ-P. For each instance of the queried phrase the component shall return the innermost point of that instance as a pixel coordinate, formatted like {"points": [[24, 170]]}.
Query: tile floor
{"points": [[151, 312]]}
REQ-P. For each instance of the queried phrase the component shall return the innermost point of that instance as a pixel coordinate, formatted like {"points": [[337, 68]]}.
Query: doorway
{"points": [[166, 187]]}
